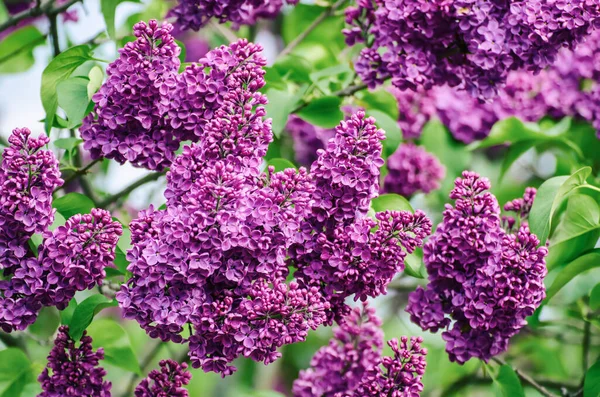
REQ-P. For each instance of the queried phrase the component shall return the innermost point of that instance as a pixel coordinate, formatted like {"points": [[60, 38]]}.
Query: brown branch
{"points": [[115, 197], [39, 10]]}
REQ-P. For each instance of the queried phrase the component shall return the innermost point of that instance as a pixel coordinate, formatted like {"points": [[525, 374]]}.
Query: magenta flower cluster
{"points": [[71, 258], [168, 382], [483, 281], [352, 364], [467, 44], [74, 371], [194, 14], [145, 109], [411, 169]]}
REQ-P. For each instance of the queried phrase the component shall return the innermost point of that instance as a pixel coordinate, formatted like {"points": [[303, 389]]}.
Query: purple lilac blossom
{"points": [[74, 371], [411, 169], [351, 365], [168, 382], [483, 281], [194, 14], [307, 139], [128, 122], [467, 44]]}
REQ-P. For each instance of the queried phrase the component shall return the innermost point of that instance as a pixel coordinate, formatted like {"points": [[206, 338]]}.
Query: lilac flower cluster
{"points": [[307, 139], [468, 44], [168, 382], [351, 365], [74, 371], [72, 257], [411, 169], [483, 281], [146, 108], [129, 119], [339, 251], [194, 14], [215, 261]]}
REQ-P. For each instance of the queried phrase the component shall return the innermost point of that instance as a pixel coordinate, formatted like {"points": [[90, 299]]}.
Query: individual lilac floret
{"points": [[465, 43], [28, 176], [194, 14], [168, 382], [351, 365], [72, 258], [411, 169], [128, 122], [483, 282], [74, 371]]}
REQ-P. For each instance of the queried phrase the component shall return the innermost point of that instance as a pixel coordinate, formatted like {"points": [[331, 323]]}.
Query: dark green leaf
{"points": [[577, 232], [292, 68], [591, 385], [46, 323], [281, 164], [106, 333], [393, 135], [585, 262], [59, 70], [85, 312], [73, 203], [548, 198], [507, 383], [73, 99], [15, 372], [391, 201], [324, 112], [16, 49]]}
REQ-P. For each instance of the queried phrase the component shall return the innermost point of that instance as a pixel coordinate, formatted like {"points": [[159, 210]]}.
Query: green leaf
{"points": [[515, 151], [391, 201], [333, 78], [85, 312], [108, 8], [73, 203], [328, 32], [67, 314], [324, 112], [15, 372], [595, 298], [591, 384], [16, 49], [585, 262], [106, 333], [123, 245], [292, 68], [281, 103], [46, 323], [577, 232], [507, 383], [96, 75], [510, 130], [393, 135], [548, 198], [59, 70], [281, 164], [67, 144], [381, 100], [34, 242], [73, 99], [414, 264]]}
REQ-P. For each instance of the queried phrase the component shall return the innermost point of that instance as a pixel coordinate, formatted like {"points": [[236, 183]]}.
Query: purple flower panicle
{"points": [[74, 371], [168, 382]]}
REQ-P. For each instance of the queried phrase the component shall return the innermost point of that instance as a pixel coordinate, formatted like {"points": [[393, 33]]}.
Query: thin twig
{"points": [[115, 197], [38, 10], [81, 171], [527, 379], [300, 38], [54, 35]]}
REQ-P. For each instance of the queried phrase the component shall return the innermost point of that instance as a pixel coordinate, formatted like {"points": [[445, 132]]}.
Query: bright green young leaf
{"points": [[108, 8], [591, 385], [595, 298], [292, 67], [333, 78], [96, 75], [381, 100], [328, 32], [67, 144], [281, 104], [46, 323], [507, 383], [414, 264], [73, 99], [585, 262], [106, 333], [281, 164], [548, 198], [324, 112], [16, 49], [85, 312], [393, 135], [510, 130], [391, 201], [15, 372], [73, 203], [67, 314], [577, 232], [59, 70], [59, 220]]}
